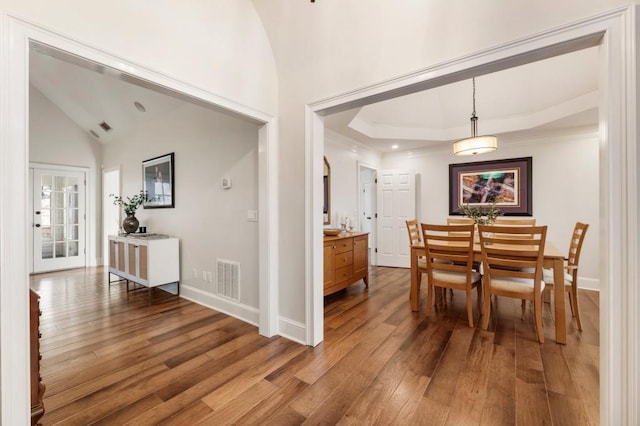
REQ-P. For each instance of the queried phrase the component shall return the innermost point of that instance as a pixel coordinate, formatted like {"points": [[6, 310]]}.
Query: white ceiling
{"points": [[91, 94], [537, 98]]}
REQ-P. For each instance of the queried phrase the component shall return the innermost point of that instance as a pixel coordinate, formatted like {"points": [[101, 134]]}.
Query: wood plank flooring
{"points": [[112, 358]]}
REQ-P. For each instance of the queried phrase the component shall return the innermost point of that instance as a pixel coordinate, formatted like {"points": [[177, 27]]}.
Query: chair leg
{"points": [[469, 308], [537, 307], [487, 310], [574, 305], [430, 290], [523, 306], [479, 289], [570, 293]]}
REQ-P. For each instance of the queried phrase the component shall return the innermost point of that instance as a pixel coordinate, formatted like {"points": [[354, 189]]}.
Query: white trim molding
{"points": [[292, 330], [616, 32], [238, 310], [16, 35]]}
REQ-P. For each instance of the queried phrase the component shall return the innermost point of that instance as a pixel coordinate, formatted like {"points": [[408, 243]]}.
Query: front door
{"points": [[58, 219]]}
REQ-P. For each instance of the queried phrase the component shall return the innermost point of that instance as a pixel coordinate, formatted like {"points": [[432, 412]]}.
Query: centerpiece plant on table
{"points": [[481, 215]]}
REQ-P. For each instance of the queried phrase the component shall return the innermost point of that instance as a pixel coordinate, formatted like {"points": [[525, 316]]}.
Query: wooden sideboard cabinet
{"points": [[346, 260], [151, 260], [37, 388]]}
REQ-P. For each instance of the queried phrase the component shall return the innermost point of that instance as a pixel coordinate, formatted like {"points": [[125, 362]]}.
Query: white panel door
{"points": [[396, 204], [58, 219]]}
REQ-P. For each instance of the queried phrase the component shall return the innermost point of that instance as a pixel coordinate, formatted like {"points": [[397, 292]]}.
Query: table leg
{"points": [[558, 300], [415, 280]]}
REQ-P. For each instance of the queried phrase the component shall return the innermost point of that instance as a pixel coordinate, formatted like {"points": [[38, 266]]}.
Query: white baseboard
{"points": [[292, 330], [589, 283], [287, 328], [237, 310]]}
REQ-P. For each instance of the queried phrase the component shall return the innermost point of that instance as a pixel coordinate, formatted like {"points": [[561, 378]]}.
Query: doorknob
{"points": [[37, 225]]}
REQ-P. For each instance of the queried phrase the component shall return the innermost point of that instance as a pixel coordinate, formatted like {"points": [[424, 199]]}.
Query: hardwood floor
{"points": [[111, 358]]}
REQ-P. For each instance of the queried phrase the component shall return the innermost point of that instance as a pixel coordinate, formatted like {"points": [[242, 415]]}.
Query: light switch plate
{"points": [[252, 215], [225, 183]]}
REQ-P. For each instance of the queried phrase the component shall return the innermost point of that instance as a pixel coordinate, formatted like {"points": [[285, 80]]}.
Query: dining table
{"points": [[553, 259]]}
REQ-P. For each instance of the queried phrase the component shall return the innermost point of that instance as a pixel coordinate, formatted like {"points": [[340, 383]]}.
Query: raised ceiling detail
{"points": [[541, 97]]}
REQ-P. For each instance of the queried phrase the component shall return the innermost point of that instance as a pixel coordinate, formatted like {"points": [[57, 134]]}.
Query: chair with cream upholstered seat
{"points": [[571, 274], [449, 250], [512, 265]]}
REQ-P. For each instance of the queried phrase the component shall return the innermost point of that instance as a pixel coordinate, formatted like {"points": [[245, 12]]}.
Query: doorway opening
{"points": [[367, 188], [610, 31], [110, 211]]}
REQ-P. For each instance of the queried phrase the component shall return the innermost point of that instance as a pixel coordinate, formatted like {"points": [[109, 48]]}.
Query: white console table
{"points": [[150, 260]]}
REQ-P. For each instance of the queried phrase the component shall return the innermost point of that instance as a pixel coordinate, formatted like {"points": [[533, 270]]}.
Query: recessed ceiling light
{"points": [[139, 106], [94, 134], [394, 146]]}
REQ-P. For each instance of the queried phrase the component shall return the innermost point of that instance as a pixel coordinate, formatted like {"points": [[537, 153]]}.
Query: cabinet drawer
{"points": [[343, 259], [345, 244], [343, 274]]}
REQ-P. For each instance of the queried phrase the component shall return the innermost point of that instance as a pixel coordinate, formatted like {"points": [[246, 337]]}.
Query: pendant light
{"points": [[475, 144]]}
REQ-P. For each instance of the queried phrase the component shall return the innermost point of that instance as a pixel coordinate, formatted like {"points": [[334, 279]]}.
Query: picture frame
{"points": [[158, 182], [508, 182]]}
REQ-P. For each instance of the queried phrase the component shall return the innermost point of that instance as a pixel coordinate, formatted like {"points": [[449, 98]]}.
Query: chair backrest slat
{"points": [[459, 221], [501, 221], [577, 238], [414, 232]]}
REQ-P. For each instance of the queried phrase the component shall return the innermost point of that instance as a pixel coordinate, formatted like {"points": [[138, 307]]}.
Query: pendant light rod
{"points": [[475, 144]]}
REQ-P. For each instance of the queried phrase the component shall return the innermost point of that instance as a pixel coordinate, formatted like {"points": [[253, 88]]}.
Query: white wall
{"points": [[565, 188], [343, 155], [55, 139], [211, 222], [219, 46]]}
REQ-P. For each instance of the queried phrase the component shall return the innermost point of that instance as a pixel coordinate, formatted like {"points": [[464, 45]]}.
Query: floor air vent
{"points": [[229, 279]]}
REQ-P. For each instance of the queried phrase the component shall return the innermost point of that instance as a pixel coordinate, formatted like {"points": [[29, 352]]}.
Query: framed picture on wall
{"points": [[158, 182], [505, 182]]}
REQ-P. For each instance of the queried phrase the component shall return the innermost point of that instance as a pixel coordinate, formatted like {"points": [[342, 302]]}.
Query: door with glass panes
{"points": [[58, 219]]}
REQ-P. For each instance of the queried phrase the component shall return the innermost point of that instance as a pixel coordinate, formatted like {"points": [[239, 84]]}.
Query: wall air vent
{"points": [[105, 126], [229, 279]]}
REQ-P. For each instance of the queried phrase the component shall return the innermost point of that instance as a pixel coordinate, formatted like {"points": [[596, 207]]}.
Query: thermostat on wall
{"points": [[225, 183]]}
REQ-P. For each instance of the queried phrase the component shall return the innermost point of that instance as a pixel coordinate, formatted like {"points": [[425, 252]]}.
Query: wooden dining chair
{"points": [[571, 276], [501, 221], [512, 264], [460, 221], [415, 237], [449, 251]]}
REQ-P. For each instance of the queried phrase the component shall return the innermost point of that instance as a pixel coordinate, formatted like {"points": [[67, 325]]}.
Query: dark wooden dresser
{"points": [[37, 388]]}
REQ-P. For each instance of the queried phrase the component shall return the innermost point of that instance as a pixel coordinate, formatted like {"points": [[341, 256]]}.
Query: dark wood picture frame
{"points": [[477, 184], [158, 182]]}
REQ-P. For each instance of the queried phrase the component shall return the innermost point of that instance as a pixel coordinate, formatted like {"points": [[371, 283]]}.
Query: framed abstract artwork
{"points": [[507, 183]]}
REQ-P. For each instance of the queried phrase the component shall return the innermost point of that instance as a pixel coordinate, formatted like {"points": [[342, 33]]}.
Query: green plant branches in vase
{"points": [[481, 215], [130, 206]]}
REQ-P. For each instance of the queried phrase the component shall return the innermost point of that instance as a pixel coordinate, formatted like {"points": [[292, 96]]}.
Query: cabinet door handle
{"points": [[37, 225]]}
